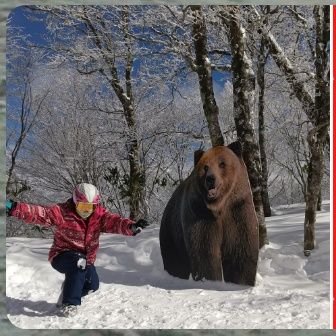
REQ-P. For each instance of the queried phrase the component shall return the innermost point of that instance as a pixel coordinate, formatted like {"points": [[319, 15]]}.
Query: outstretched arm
{"points": [[36, 214], [114, 223]]}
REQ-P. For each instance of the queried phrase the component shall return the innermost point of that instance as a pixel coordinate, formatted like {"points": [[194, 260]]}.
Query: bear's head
{"points": [[218, 170]]}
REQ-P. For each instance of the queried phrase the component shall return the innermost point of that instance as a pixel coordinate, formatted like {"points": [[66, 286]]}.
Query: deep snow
{"points": [[292, 291]]}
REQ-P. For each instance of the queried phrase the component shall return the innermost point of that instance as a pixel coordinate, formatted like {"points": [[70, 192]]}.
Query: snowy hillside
{"points": [[291, 292]]}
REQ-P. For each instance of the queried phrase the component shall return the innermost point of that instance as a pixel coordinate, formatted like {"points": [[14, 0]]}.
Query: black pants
{"points": [[78, 282]]}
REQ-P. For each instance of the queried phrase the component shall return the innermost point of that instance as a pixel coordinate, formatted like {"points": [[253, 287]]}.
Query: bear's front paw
{"points": [[198, 277]]}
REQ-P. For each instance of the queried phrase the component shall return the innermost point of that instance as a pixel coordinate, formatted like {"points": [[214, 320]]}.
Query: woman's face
{"points": [[84, 209]]}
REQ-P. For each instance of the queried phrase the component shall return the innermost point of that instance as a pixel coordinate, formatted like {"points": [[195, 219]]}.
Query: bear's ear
{"points": [[236, 148], [197, 156]]}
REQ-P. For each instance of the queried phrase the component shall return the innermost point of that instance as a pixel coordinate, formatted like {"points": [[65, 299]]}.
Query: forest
{"points": [[122, 96]]}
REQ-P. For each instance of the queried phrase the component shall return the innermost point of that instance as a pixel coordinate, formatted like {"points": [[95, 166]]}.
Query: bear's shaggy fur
{"points": [[209, 228]]}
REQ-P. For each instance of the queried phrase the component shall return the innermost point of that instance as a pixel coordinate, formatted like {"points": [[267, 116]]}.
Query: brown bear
{"points": [[209, 228]]}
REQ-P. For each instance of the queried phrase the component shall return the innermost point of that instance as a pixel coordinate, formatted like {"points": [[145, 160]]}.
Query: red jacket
{"points": [[72, 232]]}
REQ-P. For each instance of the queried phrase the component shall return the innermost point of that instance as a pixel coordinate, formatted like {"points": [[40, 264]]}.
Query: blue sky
{"points": [[37, 34], [35, 29]]}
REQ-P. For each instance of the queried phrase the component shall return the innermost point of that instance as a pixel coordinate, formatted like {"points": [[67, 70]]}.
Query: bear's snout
{"points": [[211, 186], [210, 181]]}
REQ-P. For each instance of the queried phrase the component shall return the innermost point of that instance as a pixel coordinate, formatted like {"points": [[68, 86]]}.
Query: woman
{"points": [[78, 223]]}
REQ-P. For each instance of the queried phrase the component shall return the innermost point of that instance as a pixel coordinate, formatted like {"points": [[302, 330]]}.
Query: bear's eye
{"points": [[222, 164], [206, 168]]}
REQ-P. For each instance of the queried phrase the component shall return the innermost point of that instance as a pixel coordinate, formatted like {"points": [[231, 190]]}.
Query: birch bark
{"points": [[204, 72]]}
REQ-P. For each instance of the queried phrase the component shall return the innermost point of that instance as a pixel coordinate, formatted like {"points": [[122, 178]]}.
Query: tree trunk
{"points": [[319, 201], [204, 72], [261, 105], [315, 174], [243, 92], [136, 180], [136, 176], [318, 135]]}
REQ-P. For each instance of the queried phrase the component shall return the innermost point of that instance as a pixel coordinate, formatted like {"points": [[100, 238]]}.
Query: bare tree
{"points": [[318, 135], [262, 59], [204, 72], [105, 29], [27, 100], [317, 109]]}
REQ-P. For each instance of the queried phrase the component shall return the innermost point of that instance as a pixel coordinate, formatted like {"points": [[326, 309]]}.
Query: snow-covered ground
{"points": [[291, 292]]}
